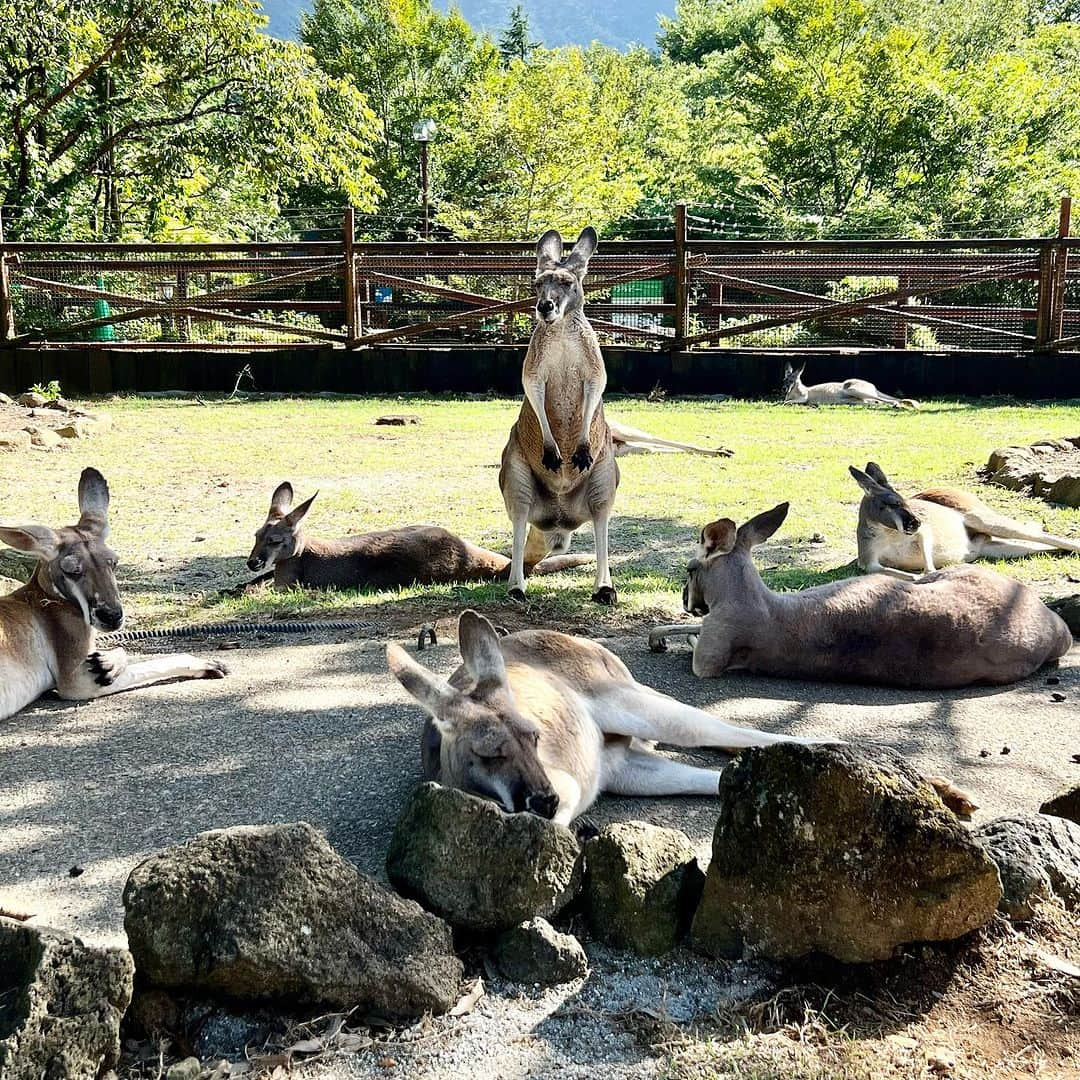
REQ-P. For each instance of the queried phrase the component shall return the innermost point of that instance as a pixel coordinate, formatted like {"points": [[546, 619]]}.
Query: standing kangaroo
{"points": [[47, 628], [558, 466], [848, 392], [907, 538], [953, 628], [544, 722], [388, 559]]}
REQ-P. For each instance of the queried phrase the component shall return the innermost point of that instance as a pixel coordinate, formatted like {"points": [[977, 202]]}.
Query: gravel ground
{"points": [[318, 731]]}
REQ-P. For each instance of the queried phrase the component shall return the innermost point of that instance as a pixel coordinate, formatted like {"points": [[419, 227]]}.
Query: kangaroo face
{"points": [[559, 282], [790, 385], [488, 747], [882, 503], [77, 566], [281, 536]]}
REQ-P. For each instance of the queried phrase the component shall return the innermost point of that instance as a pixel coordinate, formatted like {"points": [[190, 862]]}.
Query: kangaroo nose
{"points": [[543, 805], [545, 307], [111, 618], [254, 563]]}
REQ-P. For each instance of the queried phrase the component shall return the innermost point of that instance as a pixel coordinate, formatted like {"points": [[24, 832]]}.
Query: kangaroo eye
{"points": [[490, 757]]}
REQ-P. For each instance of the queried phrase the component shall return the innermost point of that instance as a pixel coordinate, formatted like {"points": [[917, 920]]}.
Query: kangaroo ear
{"points": [[433, 693], [94, 502], [281, 500], [718, 537], [294, 517], [874, 471], [479, 645], [867, 483], [578, 259], [788, 369], [33, 539], [760, 528], [548, 251], [800, 369]]}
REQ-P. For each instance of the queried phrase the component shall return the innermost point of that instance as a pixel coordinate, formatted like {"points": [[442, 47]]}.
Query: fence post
{"points": [[352, 310], [1061, 269], [682, 292], [7, 311], [1044, 303]]}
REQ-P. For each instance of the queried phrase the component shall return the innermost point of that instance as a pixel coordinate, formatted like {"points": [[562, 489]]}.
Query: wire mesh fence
{"points": [[328, 282]]}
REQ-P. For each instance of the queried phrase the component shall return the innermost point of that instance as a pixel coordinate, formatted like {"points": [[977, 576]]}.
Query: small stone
{"points": [[1057, 697], [536, 953], [188, 1069], [1064, 803], [1006, 750], [642, 885], [77, 429], [5, 400], [1053, 680], [984, 753], [941, 1060], [397, 420], [42, 437], [15, 440], [1038, 856], [817, 538]]}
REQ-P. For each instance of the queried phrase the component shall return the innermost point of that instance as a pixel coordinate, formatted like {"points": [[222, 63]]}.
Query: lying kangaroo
{"points": [[47, 628], [544, 722], [558, 466], [848, 392], [952, 628], [388, 559], [628, 440], [938, 527]]}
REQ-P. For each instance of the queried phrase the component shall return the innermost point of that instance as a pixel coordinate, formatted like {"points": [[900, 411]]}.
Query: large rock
{"points": [[1064, 803], [43, 438], [14, 440], [837, 850], [61, 1003], [1048, 469], [536, 953], [263, 913], [479, 868], [1038, 856], [642, 885], [31, 400]]}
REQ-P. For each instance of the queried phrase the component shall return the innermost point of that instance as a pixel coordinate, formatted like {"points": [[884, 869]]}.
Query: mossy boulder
{"points": [[838, 850], [642, 885], [274, 914], [478, 867], [61, 1003], [1038, 857]]}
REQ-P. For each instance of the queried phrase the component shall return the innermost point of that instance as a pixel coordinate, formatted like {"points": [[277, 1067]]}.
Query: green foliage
{"points": [[50, 391], [164, 105], [515, 43]]}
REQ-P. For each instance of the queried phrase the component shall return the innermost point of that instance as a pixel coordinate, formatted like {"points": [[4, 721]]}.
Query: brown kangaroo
{"points": [[387, 559]]}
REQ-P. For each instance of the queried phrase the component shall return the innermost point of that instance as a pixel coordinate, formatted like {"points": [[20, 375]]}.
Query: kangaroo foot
{"points": [[606, 594], [585, 830], [215, 669], [517, 596], [582, 459], [552, 459]]}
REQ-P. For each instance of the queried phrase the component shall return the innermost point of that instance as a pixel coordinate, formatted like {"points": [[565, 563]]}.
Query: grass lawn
{"points": [[191, 482]]}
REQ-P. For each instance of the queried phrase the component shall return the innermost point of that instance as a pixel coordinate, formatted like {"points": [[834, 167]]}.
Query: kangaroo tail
{"points": [[555, 563]]}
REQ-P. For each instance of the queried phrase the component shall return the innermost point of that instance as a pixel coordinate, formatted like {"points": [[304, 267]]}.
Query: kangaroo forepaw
{"points": [[606, 594], [582, 459], [215, 669], [516, 595], [552, 459], [585, 830], [107, 667]]}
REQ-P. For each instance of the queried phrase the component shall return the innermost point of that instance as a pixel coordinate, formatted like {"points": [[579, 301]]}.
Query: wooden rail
{"points": [[1014, 292]]}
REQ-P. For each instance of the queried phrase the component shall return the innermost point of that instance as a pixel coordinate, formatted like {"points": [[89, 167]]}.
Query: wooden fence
{"points": [[990, 294]]}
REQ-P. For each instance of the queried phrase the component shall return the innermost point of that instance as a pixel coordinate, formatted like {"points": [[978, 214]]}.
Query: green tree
{"points": [[516, 42], [159, 104]]}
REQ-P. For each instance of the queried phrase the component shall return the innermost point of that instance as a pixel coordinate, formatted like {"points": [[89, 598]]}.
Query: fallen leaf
{"points": [[468, 1000], [1058, 963]]}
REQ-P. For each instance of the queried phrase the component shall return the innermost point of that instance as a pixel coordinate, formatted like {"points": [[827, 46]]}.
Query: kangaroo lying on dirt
{"points": [[544, 722], [952, 628], [910, 537], [848, 392], [388, 559], [47, 628], [558, 466]]}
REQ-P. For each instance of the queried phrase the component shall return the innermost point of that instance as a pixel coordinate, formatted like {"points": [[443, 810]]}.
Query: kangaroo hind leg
{"points": [[637, 771], [997, 525]]}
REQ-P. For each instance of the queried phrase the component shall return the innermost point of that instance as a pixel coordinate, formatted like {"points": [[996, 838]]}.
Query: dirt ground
{"points": [[316, 730]]}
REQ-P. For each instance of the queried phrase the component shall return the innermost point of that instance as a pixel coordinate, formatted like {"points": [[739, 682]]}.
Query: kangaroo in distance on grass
{"points": [[388, 559], [558, 466], [48, 627], [907, 538], [848, 392], [543, 722], [952, 628]]}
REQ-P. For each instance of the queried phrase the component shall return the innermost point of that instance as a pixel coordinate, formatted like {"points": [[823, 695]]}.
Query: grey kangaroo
{"points": [[954, 628], [558, 466], [848, 392], [388, 559]]}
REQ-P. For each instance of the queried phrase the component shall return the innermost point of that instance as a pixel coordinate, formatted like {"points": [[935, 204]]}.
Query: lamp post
{"points": [[423, 132]]}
